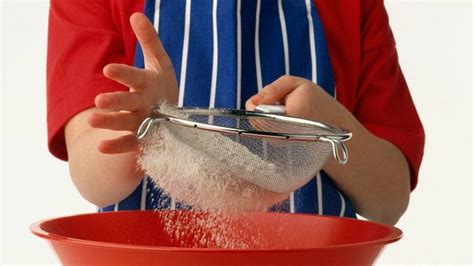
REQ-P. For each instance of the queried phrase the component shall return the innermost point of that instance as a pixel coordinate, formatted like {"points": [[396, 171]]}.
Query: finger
{"points": [[115, 121], [120, 101], [126, 75], [154, 54], [123, 144], [276, 91]]}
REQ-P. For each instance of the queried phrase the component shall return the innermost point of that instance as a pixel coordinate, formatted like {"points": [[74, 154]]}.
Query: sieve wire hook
{"points": [[339, 150], [146, 125]]}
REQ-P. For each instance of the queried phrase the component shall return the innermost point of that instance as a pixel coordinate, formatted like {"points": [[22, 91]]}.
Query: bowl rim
{"points": [[35, 228]]}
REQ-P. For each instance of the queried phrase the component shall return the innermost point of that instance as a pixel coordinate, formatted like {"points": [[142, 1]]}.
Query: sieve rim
{"points": [[335, 133], [336, 136]]}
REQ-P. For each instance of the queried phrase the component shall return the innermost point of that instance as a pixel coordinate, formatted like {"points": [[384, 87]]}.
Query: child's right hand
{"points": [[124, 111]]}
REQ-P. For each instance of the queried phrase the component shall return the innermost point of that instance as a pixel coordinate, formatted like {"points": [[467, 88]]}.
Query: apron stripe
{"points": [[323, 63], [156, 20], [292, 202], [144, 192], [284, 36], [320, 194], [239, 56], [343, 205], [257, 46], [184, 58], [312, 45], [215, 55]]}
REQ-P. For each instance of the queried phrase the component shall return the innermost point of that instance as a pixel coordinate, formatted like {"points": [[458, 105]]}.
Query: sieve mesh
{"points": [[278, 165], [191, 176]]}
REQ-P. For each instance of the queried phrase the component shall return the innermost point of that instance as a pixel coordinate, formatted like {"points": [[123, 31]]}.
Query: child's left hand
{"points": [[304, 99]]}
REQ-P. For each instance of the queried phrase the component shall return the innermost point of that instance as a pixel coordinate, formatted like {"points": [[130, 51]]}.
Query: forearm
{"points": [[102, 179], [376, 177]]}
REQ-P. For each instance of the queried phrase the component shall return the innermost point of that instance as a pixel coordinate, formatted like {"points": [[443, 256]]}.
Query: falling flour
{"points": [[212, 230], [175, 161]]}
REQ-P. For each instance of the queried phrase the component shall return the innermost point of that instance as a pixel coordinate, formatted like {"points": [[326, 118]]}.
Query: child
{"points": [[330, 61]]}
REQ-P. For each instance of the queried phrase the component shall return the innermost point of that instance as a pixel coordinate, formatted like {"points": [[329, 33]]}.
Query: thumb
{"points": [[274, 92], [154, 53]]}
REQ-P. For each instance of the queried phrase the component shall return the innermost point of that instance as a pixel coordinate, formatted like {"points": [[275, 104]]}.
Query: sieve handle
{"points": [[276, 109], [339, 150]]}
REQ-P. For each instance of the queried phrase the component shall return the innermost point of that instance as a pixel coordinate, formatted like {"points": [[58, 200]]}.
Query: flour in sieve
{"points": [[280, 166]]}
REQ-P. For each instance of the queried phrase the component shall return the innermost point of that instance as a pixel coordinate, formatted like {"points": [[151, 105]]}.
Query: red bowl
{"points": [[139, 237]]}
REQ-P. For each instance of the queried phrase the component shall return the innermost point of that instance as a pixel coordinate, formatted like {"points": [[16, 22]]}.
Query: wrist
{"points": [[355, 146]]}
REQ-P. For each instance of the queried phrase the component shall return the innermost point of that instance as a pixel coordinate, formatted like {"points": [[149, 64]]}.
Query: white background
{"points": [[435, 47]]}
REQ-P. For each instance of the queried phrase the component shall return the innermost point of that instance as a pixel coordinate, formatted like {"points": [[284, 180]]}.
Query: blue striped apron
{"points": [[225, 51]]}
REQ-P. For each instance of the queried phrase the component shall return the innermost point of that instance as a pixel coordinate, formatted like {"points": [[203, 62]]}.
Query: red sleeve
{"points": [[384, 105], [83, 37]]}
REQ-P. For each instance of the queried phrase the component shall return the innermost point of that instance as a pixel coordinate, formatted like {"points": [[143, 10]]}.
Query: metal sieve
{"points": [[276, 152]]}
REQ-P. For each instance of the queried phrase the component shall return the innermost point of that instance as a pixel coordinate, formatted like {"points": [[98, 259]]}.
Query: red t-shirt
{"points": [[86, 35]]}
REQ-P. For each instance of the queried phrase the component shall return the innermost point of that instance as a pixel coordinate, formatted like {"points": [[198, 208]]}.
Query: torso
{"points": [[224, 68]]}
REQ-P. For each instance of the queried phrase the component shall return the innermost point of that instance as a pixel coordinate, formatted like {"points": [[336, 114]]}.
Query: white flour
{"points": [[176, 162], [211, 230], [197, 179]]}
